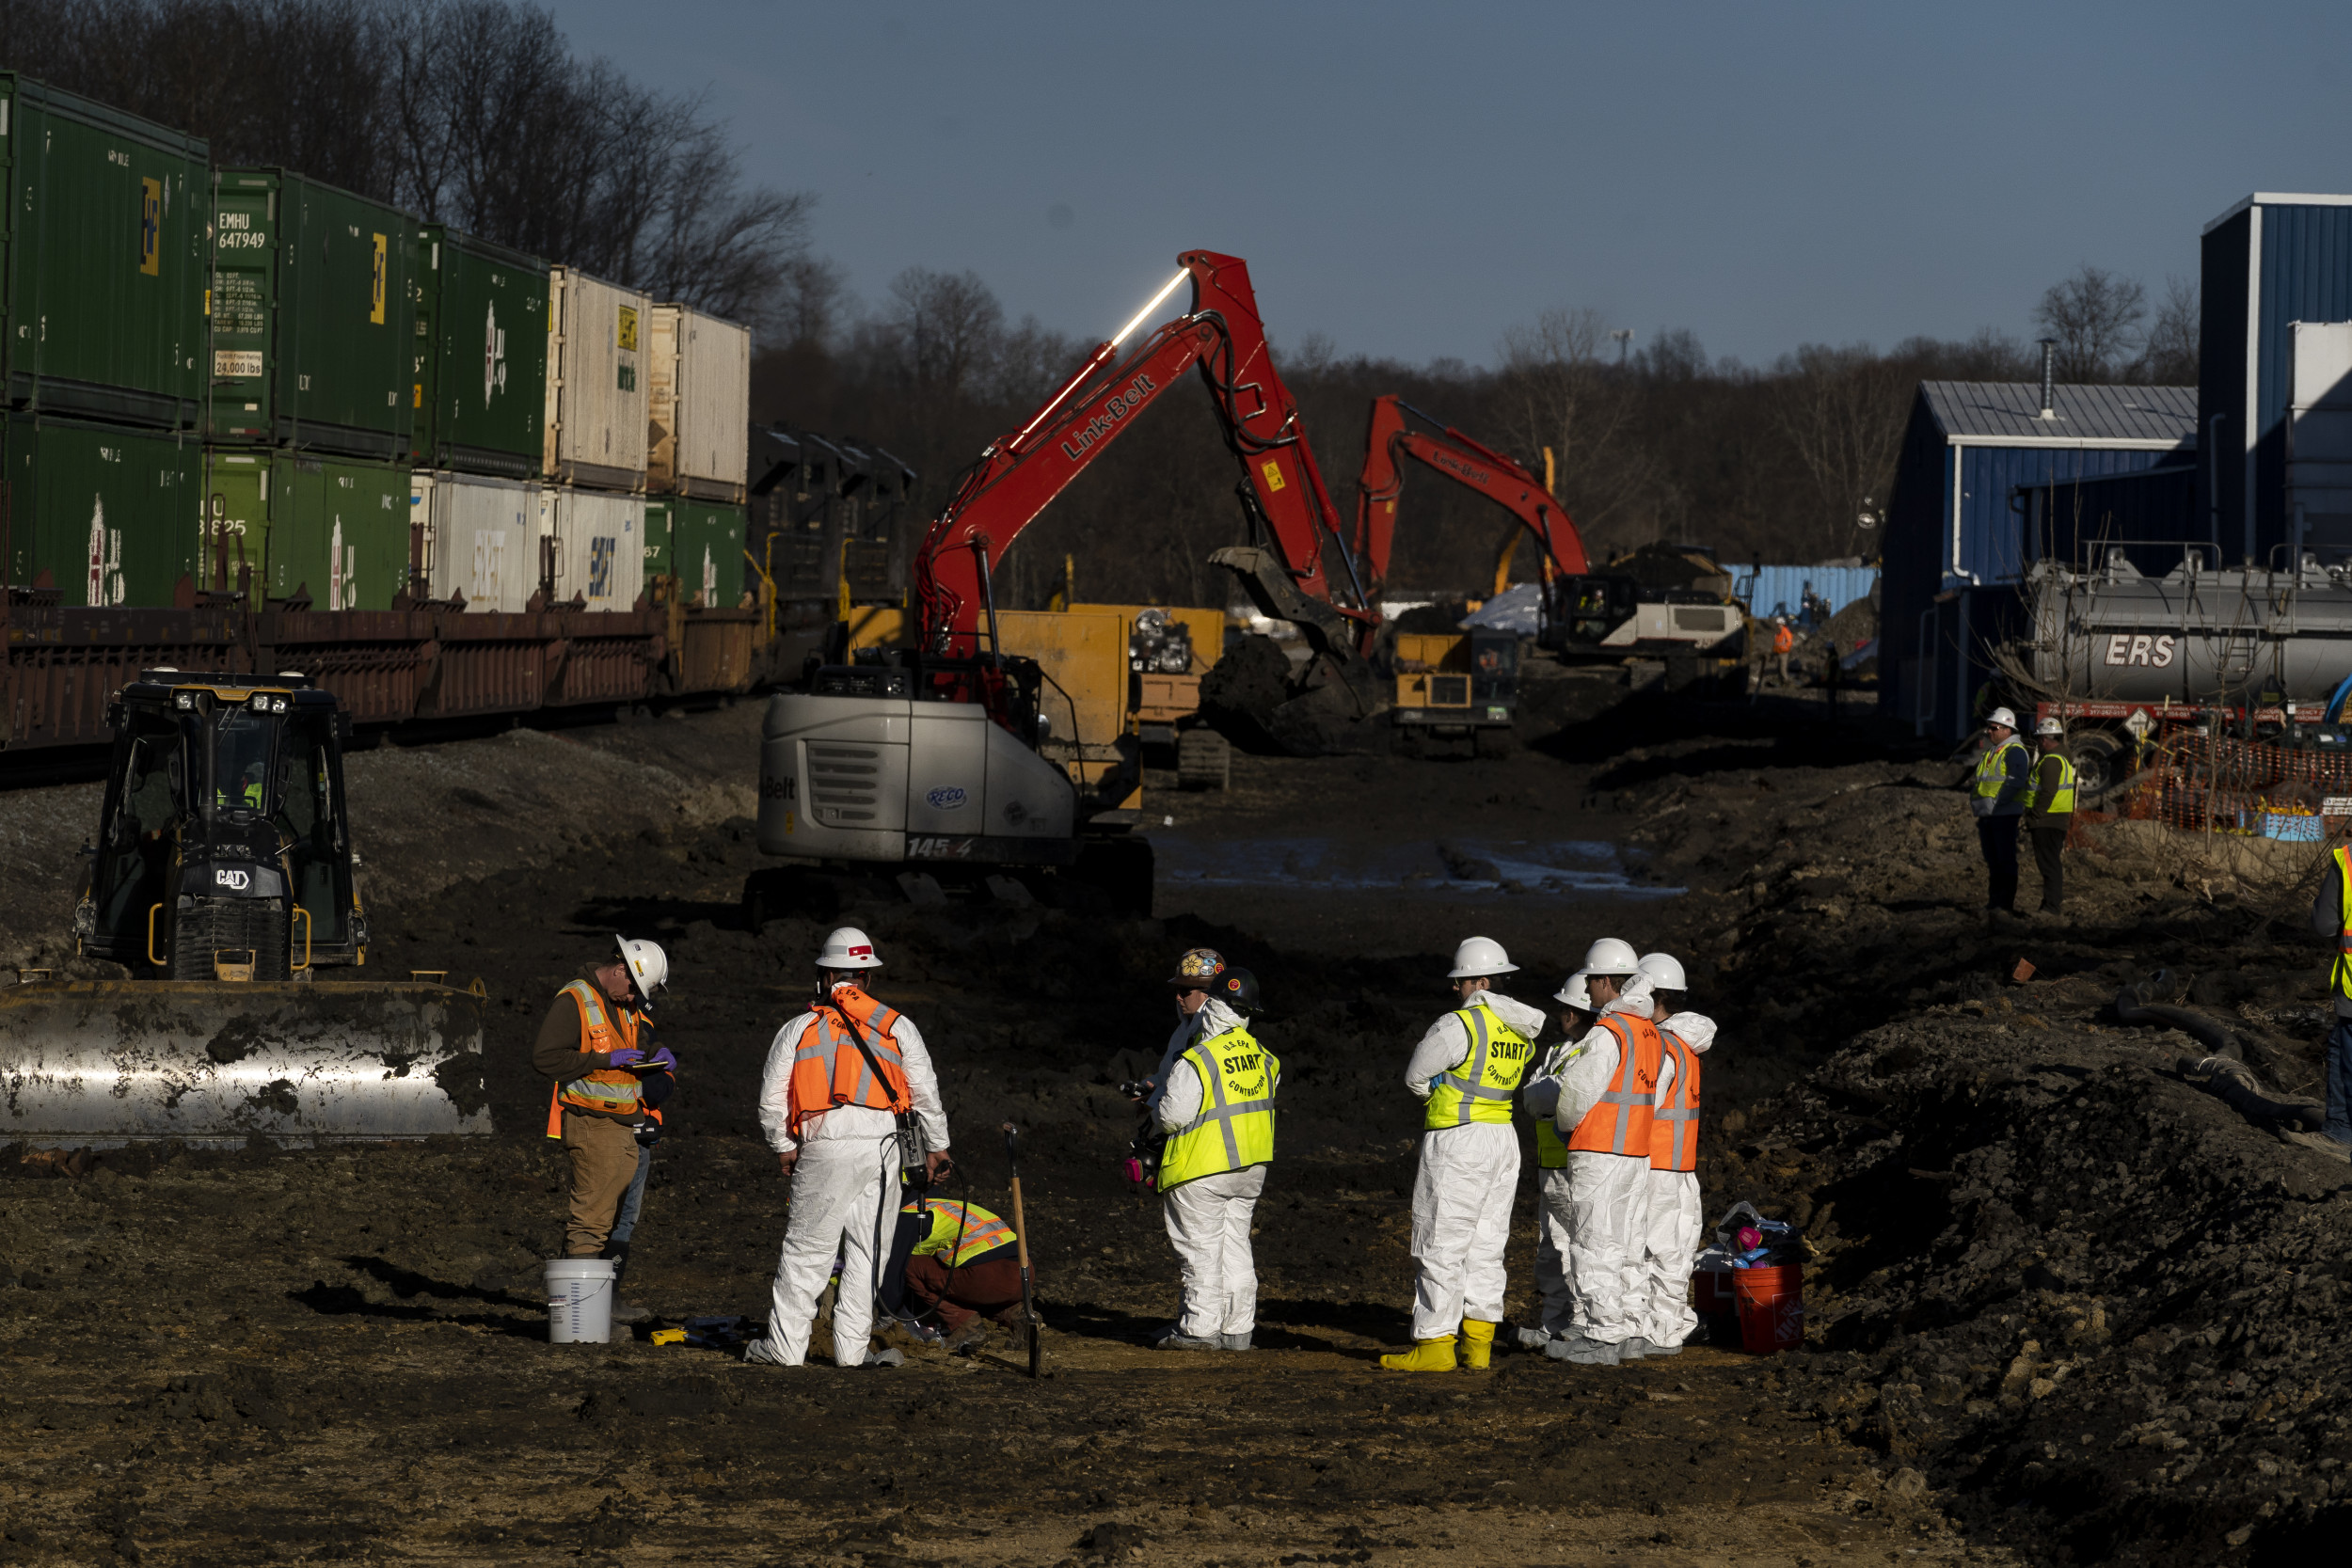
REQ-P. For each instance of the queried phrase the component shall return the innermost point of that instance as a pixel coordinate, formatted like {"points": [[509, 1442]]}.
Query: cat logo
{"points": [[151, 227], [375, 297], [236, 881]]}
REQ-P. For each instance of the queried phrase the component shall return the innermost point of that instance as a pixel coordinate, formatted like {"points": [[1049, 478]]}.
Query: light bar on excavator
{"points": [[1158, 300]]}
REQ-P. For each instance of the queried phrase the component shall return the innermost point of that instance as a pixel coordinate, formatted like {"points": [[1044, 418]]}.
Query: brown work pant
{"points": [[990, 1285], [603, 1156]]}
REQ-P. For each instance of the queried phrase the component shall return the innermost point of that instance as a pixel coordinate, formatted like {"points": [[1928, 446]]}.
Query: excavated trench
{"points": [[2065, 1305]]}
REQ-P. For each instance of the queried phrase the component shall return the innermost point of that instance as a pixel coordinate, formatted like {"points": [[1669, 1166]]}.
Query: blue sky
{"points": [[1413, 180]]}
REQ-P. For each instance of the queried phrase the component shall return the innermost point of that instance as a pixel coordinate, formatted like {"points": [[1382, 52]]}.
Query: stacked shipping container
{"points": [[279, 423]]}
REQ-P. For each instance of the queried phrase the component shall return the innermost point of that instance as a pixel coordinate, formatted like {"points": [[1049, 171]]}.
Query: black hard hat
{"points": [[1238, 989]]}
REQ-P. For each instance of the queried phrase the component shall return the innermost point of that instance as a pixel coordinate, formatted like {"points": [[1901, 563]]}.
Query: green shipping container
{"points": [[332, 530], [481, 362], [103, 252], [313, 317], [107, 514], [701, 544]]}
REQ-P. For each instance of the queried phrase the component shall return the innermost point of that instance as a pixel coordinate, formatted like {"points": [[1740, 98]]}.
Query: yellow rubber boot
{"points": [[1427, 1356], [1478, 1344]]}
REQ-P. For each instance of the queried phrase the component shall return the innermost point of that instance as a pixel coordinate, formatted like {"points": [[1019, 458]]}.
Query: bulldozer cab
{"points": [[223, 849]]}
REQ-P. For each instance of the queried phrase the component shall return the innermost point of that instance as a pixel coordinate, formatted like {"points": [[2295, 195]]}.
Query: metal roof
{"points": [[2279, 199], [2009, 414]]}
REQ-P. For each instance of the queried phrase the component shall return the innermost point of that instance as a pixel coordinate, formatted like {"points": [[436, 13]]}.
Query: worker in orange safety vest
{"points": [[595, 1042], [843, 1080]]}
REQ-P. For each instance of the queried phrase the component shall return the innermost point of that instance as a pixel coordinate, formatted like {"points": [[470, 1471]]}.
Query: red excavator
{"points": [[931, 754], [1584, 614], [1465, 460]]}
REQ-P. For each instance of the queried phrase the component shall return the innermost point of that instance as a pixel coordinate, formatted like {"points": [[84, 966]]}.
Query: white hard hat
{"points": [[648, 966], [1572, 993], [2002, 717], [2049, 726], [1611, 956], [1665, 970], [847, 948], [1478, 956]]}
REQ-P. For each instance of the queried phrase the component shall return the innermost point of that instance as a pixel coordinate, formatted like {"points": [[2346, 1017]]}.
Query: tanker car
{"points": [[2122, 656]]}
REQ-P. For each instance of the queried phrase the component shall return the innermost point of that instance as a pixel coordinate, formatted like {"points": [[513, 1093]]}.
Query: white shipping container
{"points": [[699, 408], [481, 538], [599, 546], [597, 349]]}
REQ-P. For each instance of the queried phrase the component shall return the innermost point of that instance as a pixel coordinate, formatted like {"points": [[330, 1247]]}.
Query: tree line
{"points": [[473, 112], [478, 113], [1654, 443]]}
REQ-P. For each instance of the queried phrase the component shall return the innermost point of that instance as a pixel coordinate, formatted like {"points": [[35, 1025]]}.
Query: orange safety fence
{"points": [[2221, 783]]}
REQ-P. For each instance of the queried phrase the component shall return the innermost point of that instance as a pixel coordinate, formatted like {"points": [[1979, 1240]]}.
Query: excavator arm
{"points": [[1466, 461], [1297, 559]]}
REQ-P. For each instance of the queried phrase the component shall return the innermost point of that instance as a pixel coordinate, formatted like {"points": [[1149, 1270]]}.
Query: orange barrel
{"points": [[1771, 1308]]}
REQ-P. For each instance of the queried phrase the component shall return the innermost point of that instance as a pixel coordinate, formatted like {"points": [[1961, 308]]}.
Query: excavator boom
{"points": [[1019, 474], [1463, 459]]}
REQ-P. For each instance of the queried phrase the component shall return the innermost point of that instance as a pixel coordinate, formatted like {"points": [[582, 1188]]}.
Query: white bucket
{"points": [[580, 1301]]}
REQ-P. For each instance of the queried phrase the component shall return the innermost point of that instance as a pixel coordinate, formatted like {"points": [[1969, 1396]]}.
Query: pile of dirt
{"points": [[1261, 701]]}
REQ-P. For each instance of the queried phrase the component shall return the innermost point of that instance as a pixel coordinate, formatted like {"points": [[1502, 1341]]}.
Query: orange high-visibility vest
{"points": [[829, 1069], [1674, 1126], [1784, 641], [602, 1027], [1619, 1122]]}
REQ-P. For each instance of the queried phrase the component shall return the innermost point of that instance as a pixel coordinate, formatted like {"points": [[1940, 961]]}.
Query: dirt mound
{"points": [[1257, 700]]}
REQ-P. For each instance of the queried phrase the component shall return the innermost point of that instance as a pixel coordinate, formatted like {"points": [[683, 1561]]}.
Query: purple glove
{"points": [[660, 1061], [627, 1056]]}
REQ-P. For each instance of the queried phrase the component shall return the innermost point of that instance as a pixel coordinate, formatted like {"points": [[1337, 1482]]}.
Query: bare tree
{"points": [[2095, 317], [1842, 410], [944, 327], [1564, 392], [2170, 358]]}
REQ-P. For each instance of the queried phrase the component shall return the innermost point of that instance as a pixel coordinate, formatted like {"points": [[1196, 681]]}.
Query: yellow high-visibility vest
{"points": [[2062, 799], [1234, 1129], [1479, 1087], [2342, 978]]}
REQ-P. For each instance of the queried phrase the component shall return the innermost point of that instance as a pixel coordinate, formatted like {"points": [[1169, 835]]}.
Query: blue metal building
{"points": [[2268, 264], [1775, 590], [1957, 543]]}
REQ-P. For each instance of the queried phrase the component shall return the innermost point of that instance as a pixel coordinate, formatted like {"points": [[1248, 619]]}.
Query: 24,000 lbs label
{"points": [[237, 361]]}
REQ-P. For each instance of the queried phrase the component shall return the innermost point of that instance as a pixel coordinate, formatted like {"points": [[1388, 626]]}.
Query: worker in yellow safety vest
{"points": [[963, 1266], [1465, 1072], [1998, 792], [1214, 1100], [595, 1042], [2331, 917], [2050, 811]]}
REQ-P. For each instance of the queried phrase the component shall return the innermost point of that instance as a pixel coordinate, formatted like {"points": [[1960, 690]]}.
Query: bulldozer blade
{"points": [[87, 1063]]}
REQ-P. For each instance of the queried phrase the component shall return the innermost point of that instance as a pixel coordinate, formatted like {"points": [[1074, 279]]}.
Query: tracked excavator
{"points": [[223, 879], [934, 763], [1586, 614]]}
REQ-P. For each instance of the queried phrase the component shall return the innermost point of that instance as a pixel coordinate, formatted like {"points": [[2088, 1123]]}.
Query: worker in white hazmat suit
{"points": [[1576, 1013], [1466, 1070], [1671, 1236], [1600, 1091], [839, 1079], [1214, 1096]]}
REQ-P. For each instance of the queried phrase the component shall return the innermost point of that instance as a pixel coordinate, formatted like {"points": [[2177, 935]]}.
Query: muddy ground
{"points": [[2064, 1306]]}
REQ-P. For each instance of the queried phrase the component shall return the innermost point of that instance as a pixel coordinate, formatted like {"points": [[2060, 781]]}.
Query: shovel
{"points": [[1021, 1239]]}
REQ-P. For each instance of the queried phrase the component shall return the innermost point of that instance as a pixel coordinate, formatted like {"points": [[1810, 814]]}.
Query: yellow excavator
{"points": [[222, 878]]}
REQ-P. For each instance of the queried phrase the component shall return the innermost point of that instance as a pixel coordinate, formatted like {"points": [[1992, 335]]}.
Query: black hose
{"points": [[2133, 1007], [2223, 1073]]}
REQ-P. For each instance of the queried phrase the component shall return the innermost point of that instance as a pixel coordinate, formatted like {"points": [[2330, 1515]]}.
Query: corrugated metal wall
{"points": [[2150, 516], [1771, 590], [2304, 272]]}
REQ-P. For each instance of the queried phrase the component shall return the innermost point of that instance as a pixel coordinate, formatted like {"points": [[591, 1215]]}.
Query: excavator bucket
{"points": [[99, 1064]]}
